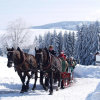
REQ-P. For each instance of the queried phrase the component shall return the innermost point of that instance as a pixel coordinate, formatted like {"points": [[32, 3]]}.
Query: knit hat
{"points": [[62, 52]]}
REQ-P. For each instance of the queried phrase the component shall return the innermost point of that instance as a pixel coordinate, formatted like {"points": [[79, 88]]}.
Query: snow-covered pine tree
{"points": [[40, 41], [60, 42], [93, 35], [70, 45], [87, 43], [55, 41], [80, 45], [65, 36], [47, 39], [73, 44], [36, 42]]}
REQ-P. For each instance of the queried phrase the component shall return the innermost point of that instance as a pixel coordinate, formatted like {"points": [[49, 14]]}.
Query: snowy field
{"points": [[86, 85]]}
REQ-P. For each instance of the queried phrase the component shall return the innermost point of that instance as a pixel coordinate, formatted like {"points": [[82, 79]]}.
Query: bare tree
{"points": [[17, 33]]}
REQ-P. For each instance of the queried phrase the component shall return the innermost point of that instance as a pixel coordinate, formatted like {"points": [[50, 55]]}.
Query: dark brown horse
{"points": [[23, 64], [50, 66]]}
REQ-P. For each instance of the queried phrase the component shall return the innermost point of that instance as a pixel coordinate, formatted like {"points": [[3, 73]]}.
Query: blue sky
{"points": [[38, 12]]}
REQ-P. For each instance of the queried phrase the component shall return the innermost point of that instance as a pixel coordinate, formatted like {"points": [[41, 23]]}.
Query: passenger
{"points": [[64, 63], [62, 55], [72, 64], [51, 50]]}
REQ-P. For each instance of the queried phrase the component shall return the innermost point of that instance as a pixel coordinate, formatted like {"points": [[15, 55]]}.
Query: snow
{"points": [[86, 85], [87, 71]]}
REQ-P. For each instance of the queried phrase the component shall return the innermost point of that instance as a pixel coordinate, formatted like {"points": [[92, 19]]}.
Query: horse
{"points": [[24, 64], [50, 66]]}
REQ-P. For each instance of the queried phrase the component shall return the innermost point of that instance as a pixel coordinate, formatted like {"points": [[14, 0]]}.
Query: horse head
{"points": [[14, 56], [10, 56], [41, 56]]}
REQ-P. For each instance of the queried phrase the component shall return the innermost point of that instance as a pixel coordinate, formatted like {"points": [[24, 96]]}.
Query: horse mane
{"points": [[48, 54], [21, 55]]}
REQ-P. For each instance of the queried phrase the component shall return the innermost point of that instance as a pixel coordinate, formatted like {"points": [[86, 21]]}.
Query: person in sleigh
{"points": [[51, 50], [72, 64], [64, 75], [63, 58]]}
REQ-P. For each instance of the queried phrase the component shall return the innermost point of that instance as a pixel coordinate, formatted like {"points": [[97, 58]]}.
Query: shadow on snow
{"points": [[97, 90], [13, 90]]}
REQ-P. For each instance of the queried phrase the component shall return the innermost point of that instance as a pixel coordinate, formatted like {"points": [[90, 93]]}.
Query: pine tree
{"points": [[87, 43], [60, 42], [47, 39], [65, 38]]}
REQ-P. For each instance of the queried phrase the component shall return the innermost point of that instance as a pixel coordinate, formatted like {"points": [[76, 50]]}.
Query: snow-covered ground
{"points": [[86, 85]]}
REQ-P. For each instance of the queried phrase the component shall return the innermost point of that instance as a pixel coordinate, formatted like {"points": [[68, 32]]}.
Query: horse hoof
{"points": [[62, 87], [26, 91], [51, 93], [22, 91], [33, 88], [27, 88], [45, 88], [57, 89]]}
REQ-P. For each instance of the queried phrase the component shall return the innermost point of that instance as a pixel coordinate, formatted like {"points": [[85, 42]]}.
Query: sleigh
{"points": [[66, 79]]}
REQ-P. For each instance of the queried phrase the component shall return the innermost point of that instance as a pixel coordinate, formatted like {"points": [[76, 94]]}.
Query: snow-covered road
{"points": [[86, 85]]}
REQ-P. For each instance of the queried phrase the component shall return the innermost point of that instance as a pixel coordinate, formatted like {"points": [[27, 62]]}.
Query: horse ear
{"points": [[7, 48], [12, 48], [18, 49]]}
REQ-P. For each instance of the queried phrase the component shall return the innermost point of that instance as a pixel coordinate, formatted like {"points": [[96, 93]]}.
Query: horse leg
{"points": [[36, 76], [41, 77], [46, 83], [59, 81], [27, 82], [51, 82], [22, 77], [41, 81], [62, 84]]}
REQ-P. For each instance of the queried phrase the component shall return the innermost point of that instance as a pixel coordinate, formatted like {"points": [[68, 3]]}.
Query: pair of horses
{"points": [[26, 65]]}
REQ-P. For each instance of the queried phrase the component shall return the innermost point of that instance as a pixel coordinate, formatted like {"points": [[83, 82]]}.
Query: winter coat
{"points": [[64, 66], [72, 65], [52, 52]]}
